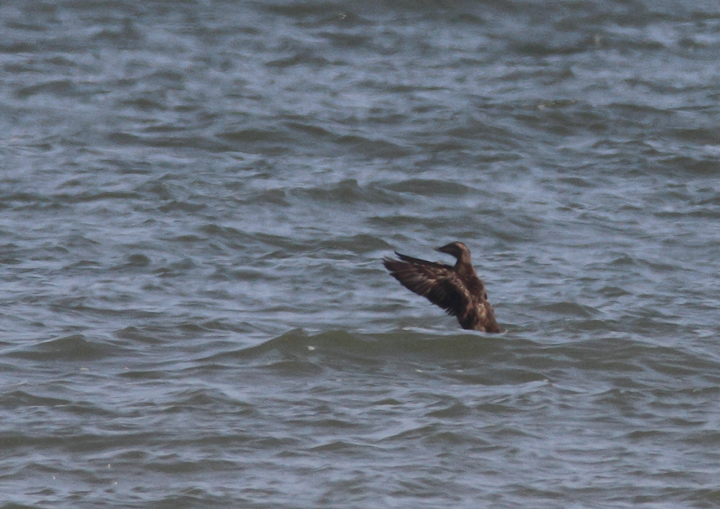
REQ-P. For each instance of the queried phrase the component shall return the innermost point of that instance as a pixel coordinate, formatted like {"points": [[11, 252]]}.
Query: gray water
{"points": [[195, 198]]}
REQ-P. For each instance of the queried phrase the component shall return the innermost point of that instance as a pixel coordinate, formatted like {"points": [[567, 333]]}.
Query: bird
{"points": [[457, 289]]}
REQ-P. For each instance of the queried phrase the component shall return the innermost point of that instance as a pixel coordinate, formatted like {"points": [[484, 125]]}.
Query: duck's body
{"points": [[458, 290]]}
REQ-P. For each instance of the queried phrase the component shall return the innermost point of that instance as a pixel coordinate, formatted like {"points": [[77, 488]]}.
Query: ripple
{"points": [[76, 347]]}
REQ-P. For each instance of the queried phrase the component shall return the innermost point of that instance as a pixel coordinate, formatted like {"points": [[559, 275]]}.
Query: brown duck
{"points": [[458, 290]]}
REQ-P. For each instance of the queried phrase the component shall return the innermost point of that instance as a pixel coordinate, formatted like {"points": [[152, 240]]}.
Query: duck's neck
{"points": [[464, 267]]}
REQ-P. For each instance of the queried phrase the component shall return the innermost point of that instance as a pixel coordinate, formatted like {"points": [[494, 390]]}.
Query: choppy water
{"points": [[195, 198]]}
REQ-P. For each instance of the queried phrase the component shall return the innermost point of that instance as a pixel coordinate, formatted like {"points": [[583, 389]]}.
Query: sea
{"points": [[195, 200]]}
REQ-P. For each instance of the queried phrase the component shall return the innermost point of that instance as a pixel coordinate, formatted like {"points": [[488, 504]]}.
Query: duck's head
{"points": [[456, 249]]}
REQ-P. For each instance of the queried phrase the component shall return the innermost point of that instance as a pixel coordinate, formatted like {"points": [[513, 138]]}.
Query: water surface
{"points": [[195, 199]]}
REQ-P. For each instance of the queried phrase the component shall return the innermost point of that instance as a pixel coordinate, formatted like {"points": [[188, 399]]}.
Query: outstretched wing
{"points": [[436, 281]]}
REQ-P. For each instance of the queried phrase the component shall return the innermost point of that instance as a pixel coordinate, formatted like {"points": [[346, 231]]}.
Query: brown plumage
{"points": [[458, 290]]}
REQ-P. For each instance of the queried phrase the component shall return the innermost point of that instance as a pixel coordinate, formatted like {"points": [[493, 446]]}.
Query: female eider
{"points": [[458, 290]]}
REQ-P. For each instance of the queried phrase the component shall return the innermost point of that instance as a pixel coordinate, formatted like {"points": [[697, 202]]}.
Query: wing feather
{"points": [[437, 282]]}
